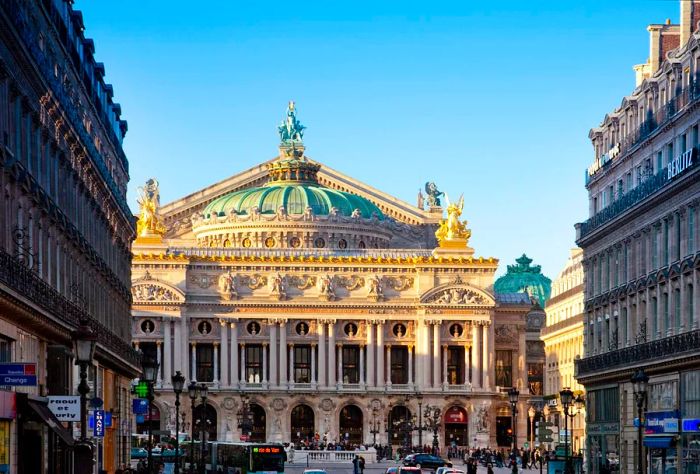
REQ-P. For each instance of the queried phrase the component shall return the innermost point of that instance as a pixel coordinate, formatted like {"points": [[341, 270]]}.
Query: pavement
{"points": [[380, 468]]}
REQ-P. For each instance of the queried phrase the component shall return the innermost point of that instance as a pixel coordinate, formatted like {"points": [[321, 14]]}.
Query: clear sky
{"points": [[493, 99]]}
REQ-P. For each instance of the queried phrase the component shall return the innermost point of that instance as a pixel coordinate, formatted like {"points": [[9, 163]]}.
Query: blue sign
{"points": [[108, 420], [139, 406], [18, 374], [99, 429], [691, 425], [659, 422], [140, 418]]}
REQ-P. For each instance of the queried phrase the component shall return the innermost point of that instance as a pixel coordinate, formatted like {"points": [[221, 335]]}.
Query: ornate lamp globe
{"points": [[639, 381], [149, 365], [531, 412], [84, 340], [178, 381], [193, 391], [579, 402], [513, 395], [566, 396]]}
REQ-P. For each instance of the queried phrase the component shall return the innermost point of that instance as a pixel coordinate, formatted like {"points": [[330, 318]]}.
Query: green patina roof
{"points": [[294, 197], [525, 278]]}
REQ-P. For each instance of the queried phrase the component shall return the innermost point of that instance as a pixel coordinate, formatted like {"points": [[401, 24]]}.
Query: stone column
{"points": [[265, 383], [178, 351], [193, 359], [322, 353], [436, 354], [273, 352], [283, 353], [291, 366], [159, 380], [388, 366], [671, 319], [659, 312], [485, 367], [684, 303], [370, 354], [410, 366], [244, 375], [522, 370], [362, 366], [331, 355], [491, 354], [216, 364], [167, 355], [235, 378], [629, 322], [467, 379], [313, 366], [340, 365], [444, 365], [476, 356], [380, 355], [224, 353]]}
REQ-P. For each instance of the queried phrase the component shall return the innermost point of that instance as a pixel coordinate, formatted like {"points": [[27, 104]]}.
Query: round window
{"points": [[302, 329], [246, 242], [204, 327], [362, 244], [227, 243], [253, 328], [319, 243], [342, 244], [399, 330], [269, 242], [295, 242], [351, 329], [456, 330], [147, 326]]}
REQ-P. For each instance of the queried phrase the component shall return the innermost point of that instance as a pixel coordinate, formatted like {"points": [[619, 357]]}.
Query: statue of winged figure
{"points": [[433, 193], [452, 228], [149, 202], [291, 130]]}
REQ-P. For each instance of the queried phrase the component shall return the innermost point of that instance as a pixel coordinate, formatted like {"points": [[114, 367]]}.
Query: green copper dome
{"points": [[524, 278], [295, 197]]}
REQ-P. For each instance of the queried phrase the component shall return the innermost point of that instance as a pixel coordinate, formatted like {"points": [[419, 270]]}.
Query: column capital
{"points": [[193, 343], [242, 344], [290, 344], [338, 344], [216, 344], [409, 346], [282, 321], [444, 346], [232, 324], [222, 322], [313, 344], [264, 344], [158, 343]]}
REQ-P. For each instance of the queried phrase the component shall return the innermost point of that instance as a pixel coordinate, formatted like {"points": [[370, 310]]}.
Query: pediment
{"points": [[148, 290], [457, 294]]}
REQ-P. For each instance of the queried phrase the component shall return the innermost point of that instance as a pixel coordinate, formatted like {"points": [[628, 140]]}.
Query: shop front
{"points": [[8, 412], [456, 427], [603, 448], [660, 435], [690, 422]]}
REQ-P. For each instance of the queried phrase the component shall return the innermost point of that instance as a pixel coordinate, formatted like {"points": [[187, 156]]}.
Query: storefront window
{"points": [[605, 454], [4, 446], [690, 413]]}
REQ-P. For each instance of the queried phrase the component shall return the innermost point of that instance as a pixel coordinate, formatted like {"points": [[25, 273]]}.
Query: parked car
{"points": [[442, 470], [314, 471], [409, 470], [392, 470], [425, 460]]}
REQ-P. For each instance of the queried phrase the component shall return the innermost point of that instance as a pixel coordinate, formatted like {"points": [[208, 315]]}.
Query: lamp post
{"points": [[178, 381], [149, 366], [193, 393], [432, 416], [84, 340], [566, 396], [203, 394], [531, 412], [374, 427], [513, 395], [245, 417], [388, 422], [639, 385], [420, 419]]}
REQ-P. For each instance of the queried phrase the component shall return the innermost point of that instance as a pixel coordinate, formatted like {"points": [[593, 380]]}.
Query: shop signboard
{"points": [[65, 408], [18, 374], [691, 425], [99, 429], [661, 422]]}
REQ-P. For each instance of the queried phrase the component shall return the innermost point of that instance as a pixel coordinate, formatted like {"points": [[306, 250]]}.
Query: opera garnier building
{"points": [[317, 308]]}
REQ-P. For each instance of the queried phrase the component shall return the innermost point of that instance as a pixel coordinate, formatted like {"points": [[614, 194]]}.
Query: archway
{"points": [[259, 433], [302, 423], [504, 427], [456, 427], [205, 419], [351, 425], [398, 417]]}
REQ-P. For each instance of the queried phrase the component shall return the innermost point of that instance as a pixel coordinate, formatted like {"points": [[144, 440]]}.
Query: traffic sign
{"points": [[544, 434], [18, 374]]}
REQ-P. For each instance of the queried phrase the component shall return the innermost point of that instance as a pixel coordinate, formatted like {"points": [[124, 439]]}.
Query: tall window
{"points": [[677, 235], [535, 379], [253, 363], [666, 238], [5, 350], [677, 307], [351, 364], [399, 364], [691, 231], [455, 365], [624, 326], [659, 161], [302, 364], [667, 317], [655, 248], [504, 368], [655, 317], [205, 363]]}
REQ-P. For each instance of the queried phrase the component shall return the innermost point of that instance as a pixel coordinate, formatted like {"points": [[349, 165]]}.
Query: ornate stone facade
{"points": [[342, 314]]}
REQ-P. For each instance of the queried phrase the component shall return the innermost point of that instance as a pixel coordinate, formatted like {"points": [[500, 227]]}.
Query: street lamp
{"points": [[531, 412], [420, 419], [84, 340], [245, 417], [388, 423], [566, 396], [149, 366], [639, 385], [203, 393], [193, 393], [178, 381], [513, 395], [374, 426], [432, 415]]}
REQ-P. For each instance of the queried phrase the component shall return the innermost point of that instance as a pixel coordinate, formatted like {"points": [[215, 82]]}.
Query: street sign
{"points": [[139, 406], [18, 374], [99, 430], [65, 408], [108, 420], [544, 434]]}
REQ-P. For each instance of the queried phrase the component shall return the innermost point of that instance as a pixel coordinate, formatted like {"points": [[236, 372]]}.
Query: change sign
{"points": [[20, 373], [65, 408], [99, 430]]}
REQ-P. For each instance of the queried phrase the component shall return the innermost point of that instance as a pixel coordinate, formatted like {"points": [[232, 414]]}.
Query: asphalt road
{"points": [[380, 468]]}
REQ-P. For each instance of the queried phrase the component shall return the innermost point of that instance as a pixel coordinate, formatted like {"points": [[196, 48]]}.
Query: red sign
{"points": [[456, 415], [245, 437]]}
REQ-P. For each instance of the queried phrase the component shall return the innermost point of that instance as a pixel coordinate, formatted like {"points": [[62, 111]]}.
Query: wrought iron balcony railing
{"points": [[660, 350]]}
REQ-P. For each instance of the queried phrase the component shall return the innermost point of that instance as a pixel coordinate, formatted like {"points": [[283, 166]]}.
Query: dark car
{"points": [[425, 460]]}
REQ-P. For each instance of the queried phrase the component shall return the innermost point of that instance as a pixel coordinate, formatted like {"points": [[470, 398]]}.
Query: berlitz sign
{"points": [[65, 408], [681, 163]]}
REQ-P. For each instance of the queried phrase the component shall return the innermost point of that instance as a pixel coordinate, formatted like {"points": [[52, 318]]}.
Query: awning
{"points": [[658, 441], [41, 409]]}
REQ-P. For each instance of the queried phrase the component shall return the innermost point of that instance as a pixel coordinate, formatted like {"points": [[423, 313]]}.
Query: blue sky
{"points": [[490, 99]]}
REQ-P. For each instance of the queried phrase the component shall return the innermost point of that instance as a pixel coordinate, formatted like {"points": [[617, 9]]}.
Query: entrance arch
{"points": [[302, 423], [456, 426], [259, 433], [398, 418], [351, 425], [205, 420]]}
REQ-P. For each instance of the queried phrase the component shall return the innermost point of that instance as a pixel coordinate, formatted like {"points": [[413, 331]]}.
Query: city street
{"points": [[380, 468]]}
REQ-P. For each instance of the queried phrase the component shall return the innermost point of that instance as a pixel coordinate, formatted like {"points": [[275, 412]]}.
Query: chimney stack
{"points": [[690, 16]]}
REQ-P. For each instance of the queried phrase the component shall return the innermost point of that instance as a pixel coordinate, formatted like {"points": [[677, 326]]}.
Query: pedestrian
{"points": [[356, 465], [489, 468], [362, 465]]}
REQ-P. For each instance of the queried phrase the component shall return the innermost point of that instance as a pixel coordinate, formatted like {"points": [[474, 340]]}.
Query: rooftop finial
{"points": [[291, 130]]}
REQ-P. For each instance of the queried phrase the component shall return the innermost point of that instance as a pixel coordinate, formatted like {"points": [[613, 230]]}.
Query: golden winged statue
{"points": [[149, 201], [452, 229]]}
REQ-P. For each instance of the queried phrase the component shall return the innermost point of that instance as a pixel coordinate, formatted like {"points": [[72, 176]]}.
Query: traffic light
{"points": [[544, 434]]}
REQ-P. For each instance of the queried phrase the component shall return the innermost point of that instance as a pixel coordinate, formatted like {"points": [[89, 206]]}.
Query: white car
{"points": [[442, 470]]}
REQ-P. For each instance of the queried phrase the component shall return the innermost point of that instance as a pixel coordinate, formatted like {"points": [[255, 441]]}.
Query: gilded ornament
{"points": [[148, 224], [452, 230]]}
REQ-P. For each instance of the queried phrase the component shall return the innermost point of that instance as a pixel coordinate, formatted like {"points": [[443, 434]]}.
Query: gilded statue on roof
{"points": [[149, 202], [452, 229]]}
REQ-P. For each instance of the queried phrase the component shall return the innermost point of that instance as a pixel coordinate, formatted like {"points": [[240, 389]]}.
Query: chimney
{"points": [[690, 16], [662, 39]]}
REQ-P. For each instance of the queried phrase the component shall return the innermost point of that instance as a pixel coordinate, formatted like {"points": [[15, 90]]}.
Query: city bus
{"points": [[246, 458]]}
